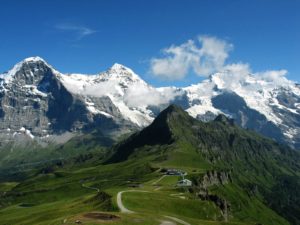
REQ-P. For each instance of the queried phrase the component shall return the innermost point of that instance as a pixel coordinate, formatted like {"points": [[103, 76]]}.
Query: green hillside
{"points": [[238, 177]]}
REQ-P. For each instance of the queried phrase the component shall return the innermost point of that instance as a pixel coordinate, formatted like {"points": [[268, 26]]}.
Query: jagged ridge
{"points": [[119, 100]]}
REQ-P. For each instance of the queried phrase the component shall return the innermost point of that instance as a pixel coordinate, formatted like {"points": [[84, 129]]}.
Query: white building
{"points": [[184, 183]]}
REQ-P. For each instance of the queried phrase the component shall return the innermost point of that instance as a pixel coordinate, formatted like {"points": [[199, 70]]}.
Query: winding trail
{"points": [[162, 177], [157, 189], [123, 209], [167, 223], [92, 188], [177, 220]]}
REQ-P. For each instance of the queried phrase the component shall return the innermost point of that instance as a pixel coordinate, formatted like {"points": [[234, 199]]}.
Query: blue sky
{"points": [[88, 36]]}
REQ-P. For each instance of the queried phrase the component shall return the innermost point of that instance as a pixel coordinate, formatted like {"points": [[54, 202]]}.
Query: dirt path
{"points": [[157, 189], [167, 223], [123, 209], [155, 182], [177, 220], [92, 188]]}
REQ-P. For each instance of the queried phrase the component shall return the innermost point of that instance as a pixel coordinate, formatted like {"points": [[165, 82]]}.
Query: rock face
{"points": [[214, 178], [211, 178], [37, 102]]}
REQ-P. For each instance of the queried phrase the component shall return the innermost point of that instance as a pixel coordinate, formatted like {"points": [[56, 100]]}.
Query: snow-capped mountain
{"points": [[255, 102], [40, 103]]}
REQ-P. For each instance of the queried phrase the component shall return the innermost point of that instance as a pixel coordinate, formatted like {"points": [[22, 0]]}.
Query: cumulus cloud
{"points": [[79, 31], [203, 56], [207, 55]]}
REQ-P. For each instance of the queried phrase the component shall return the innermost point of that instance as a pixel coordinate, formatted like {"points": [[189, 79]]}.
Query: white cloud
{"points": [[238, 71], [234, 76], [80, 31], [139, 96], [204, 56], [136, 95], [277, 77], [213, 55], [103, 88]]}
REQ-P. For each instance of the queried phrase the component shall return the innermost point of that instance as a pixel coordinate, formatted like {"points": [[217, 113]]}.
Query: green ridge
{"points": [[239, 177]]}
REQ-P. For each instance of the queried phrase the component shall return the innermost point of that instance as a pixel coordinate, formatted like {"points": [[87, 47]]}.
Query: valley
{"points": [[129, 183]]}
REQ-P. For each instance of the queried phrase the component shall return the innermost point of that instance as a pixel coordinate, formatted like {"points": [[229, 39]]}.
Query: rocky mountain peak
{"points": [[173, 109], [29, 71], [34, 59], [119, 67], [119, 71], [170, 116]]}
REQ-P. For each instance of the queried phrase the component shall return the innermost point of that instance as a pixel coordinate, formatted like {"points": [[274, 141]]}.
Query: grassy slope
{"points": [[17, 161], [186, 144], [52, 198], [253, 161]]}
